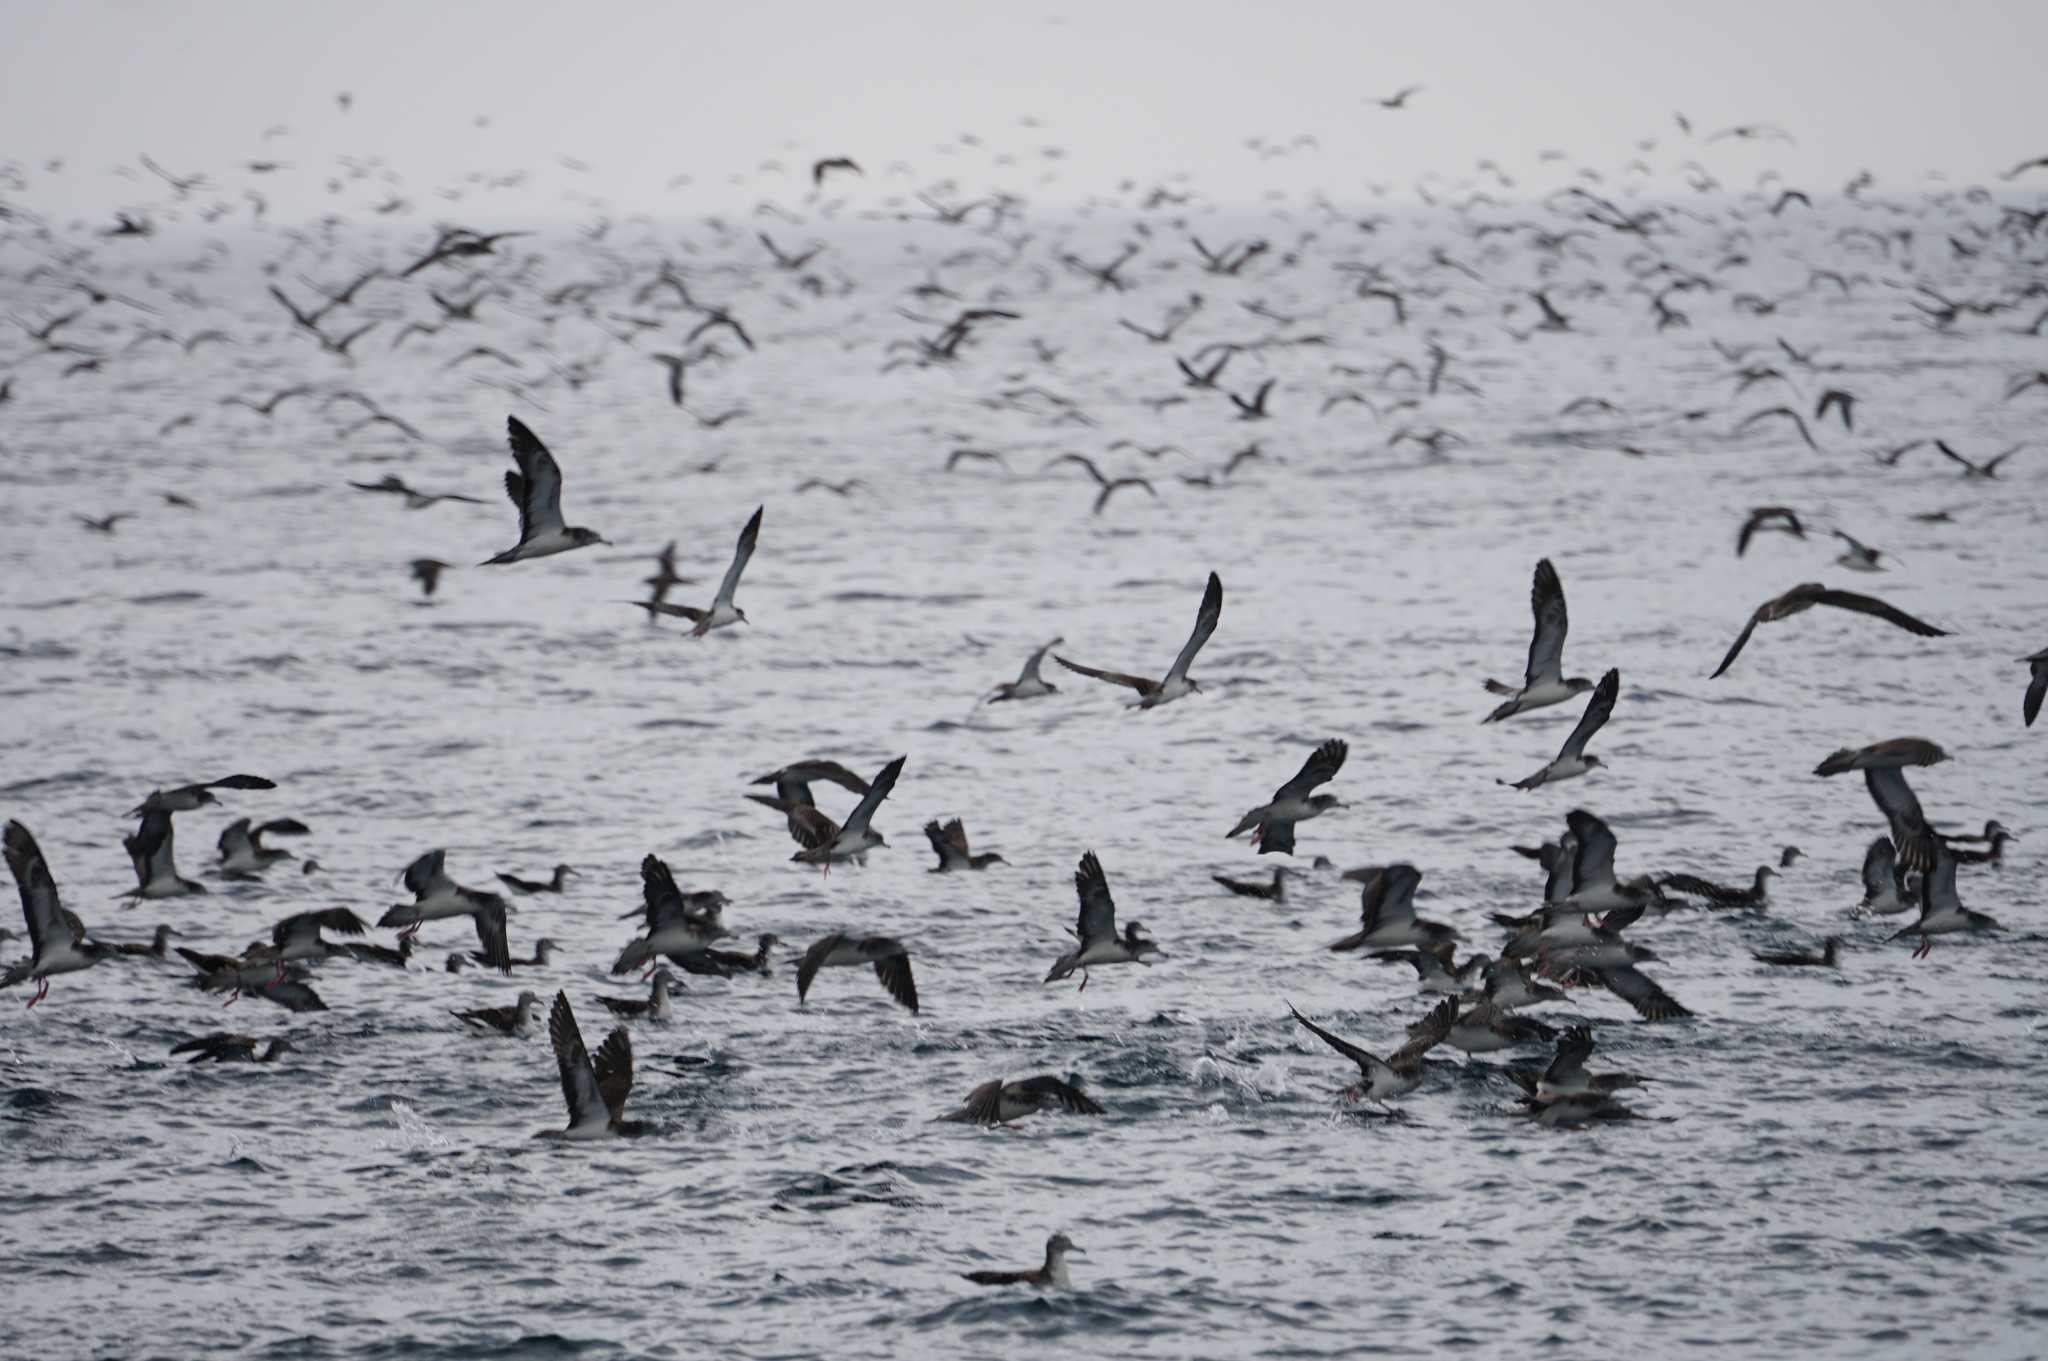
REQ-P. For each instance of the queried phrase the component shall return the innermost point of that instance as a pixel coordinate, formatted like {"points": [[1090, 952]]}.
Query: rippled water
{"points": [[1839, 1163]]}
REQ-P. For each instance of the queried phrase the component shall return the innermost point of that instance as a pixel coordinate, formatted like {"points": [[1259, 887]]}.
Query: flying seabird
{"points": [[185, 798], [1988, 469], [1272, 823], [1435, 972], [1028, 685], [1572, 760], [1244, 888], [1797, 959], [655, 1006], [819, 169], [414, 500], [1857, 556], [1883, 766], [1486, 1027], [889, 956], [57, 938], [298, 936], [380, 954], [436, 897], [1566, 1077], [1096, 932], [1053, 1273], [536, 490], [722, 611], [1153, 693], [1884, 891], [550, 885], [1780, 518], [223, 1047], [242, 851], [1401, 1072], [1387, 915], [514, 1020], [825, 842], [427, 572], [673, 929], [997, 1102], [151, 849], [1593, 885], [2037, 686], [1543, 682], [950, 844], [1804, 597], [1941, 910], [1399, 99], [258, 970], [732, 961], [595, 1092]]}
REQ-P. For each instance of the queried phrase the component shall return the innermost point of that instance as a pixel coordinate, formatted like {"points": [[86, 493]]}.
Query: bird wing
{"points": [[983, 1105], [1367, 1064], [235, 840], [955, 833], [894, 971], [1637, 989], [579, 1080], [490, 931], [1425, 1035], [1572, 1052], [241, 782], [1593, 863], [614, 1067], [1068, 1094], [1031, 665], [814, 960], [151, 848], [1098, 909], [1894, 798], [1546, 648], [1390, 898], [1878, 867], [1597, 710], [1206, 619], [1938, 895], [2030, 707], [1320, 768], [39, 904], [1557, 886], [1277, 839], [537, 487], [810, 827], [1741, 640], [293, 994], [740, 556], [1864, 604], [1138, 683], [864, 811], [425, 876]]}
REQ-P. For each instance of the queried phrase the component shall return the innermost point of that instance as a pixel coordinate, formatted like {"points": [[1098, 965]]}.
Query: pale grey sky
{"points": [[643, 93]]}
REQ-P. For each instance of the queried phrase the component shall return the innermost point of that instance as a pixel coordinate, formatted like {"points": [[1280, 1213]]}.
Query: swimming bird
{"points": [[2037, 686], [1053, 1273], [889, 956], [1883, 765], [1273, 892], [1543, 681], [1096, 931], [1401, 1071], [1028, 684], [675, 927], [826, 843], [158, 947], [1176, 684], [223, 1047], [1941, 910], [722, 611], [536, 491], [655, 1006], [1802, 959], [1994, 854], [1720, 894], [242, 851], [553, 884], [1804, 597], [366, 953], [1782, 519], [734, 962], [185, 798], [950, 844], [1272, 823], [515, 1020], [595, 1093], [997, 1102], [1572, 760], [151, 849], [298, 936], [437, 897], [1387, 915], [543, 956], [58, 942]]}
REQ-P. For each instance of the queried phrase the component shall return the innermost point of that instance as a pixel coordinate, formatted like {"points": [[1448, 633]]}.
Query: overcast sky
{"points": [[645, 93]]}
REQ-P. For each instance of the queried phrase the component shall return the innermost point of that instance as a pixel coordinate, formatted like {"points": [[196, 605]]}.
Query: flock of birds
{"points": [[1581, 936]]}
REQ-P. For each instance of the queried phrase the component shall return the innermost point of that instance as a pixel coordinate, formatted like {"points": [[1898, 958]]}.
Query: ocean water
{"points": [[1836, 1163]]}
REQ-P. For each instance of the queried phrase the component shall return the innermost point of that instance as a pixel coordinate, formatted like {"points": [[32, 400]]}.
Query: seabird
{"points": [[673, 928], [427, 572], [889, 956], [1543, 682], [1987, 469], [298, 936], [1884, 890], [1572, 760], [1028, 685], [722, 611], [1594, 887], [1053, 1273], [437, 897], [1857, 556], [185, 798], [222, 1047], [826, 842], [1883, 766], [1387, 915], [1273, 892], [997, 1102], [242, 851], [1781, 518], [158, 947], [1435, 972], [151, 850], [514, 1020], [950, 844], [735, 962], [57, 938], [543, 956], [1788, 855], [1941, 910], [1096, 931], [1153, 693], [414, 500], [536, 490], [819, 169], [1994, 854], [553, 884], [2037, 686], [1509, 986], [1720, 894], [1272, 823], [1487, 1026], [1799, 959], [380, 954], [1566, 1077], [655, 1006], [1804, 597], [1401, 1072], [595, 1092], [256, 970]]}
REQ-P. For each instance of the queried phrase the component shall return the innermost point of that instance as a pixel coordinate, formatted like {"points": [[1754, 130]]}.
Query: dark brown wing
{"points": [[894, 971], [615, 1071], [1138, 683], [1864, 604], [1741, 640]]}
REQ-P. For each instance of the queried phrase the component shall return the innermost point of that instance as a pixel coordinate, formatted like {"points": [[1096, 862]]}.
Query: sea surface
{"points": [[1832, 1163]]}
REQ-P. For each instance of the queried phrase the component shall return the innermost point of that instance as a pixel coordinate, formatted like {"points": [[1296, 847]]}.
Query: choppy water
{"points": [[1843, 1164]]}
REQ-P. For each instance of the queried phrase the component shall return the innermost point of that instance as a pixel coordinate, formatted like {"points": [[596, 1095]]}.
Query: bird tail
{"points": [[1494, 687]]}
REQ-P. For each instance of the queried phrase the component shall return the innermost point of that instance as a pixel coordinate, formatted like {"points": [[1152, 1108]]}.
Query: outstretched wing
{"points": [[740, 557], [894, 971], [1426, 1034], [1593, 863], [1546, 648], [490, 932], [864, 811], [1637, 989], [39, 905], [1098, 909], [1741, 641], [1595, 717], [1138, 683], [615, 1072], [1320, 768], [579, 1080], [537, 487], [1864, 604], [814, 960], [1366, 1062], [1206, 620]]}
